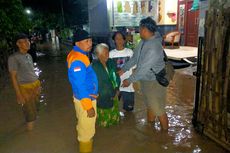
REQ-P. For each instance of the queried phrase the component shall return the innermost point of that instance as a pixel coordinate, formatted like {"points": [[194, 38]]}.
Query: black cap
{"points": [[21, 36], [80, 35]]}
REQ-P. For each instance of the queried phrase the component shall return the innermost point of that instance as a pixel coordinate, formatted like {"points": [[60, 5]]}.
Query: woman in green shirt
{"points": [[108, 86]]}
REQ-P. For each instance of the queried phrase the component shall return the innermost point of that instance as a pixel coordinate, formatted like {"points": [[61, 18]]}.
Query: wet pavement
{"points": [[55, 128]]}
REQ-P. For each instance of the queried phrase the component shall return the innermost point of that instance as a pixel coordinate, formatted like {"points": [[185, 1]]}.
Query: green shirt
{"points": [[108, 82]]}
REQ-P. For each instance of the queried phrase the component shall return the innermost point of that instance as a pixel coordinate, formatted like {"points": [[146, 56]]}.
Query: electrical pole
{"points": [[62, 12]]}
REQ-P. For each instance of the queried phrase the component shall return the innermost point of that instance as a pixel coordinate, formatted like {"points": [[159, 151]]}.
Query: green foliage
{"points": [[66, 33], [77, 12], [13, 20], [47, 20]]}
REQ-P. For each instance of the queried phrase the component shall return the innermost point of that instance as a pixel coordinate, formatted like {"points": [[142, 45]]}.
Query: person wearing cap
{"points": [[149, 59], [25, 81], [85, 87]]}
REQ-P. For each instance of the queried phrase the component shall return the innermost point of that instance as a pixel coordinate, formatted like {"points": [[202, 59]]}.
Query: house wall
{"points": [[98, 18]]}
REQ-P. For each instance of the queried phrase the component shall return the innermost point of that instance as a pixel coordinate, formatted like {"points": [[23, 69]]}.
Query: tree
{"points": [[13, 20], [47, 20], [76, 12], [61, 13]]}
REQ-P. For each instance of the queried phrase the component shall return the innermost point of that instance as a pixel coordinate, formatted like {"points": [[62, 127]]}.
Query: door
{"points": [[192, 25], [181, 20]]}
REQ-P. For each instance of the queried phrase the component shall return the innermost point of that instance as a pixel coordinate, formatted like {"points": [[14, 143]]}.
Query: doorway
{"points": [[188, 23]]}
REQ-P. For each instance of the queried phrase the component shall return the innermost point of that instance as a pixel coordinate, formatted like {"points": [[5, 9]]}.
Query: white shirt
{"points": [[120, 57]]}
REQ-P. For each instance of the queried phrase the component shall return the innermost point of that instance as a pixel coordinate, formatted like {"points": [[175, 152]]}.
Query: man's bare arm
{"points": [[20, 98]]}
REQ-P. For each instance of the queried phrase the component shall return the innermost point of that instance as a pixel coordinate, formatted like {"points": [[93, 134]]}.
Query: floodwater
{"points": [[55, 127]]}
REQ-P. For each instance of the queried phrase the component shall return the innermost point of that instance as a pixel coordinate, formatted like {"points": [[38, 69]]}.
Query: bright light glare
{"points": [[28, 11]]}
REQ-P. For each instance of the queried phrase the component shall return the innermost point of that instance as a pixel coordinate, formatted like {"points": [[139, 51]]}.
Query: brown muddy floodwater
{"points": [[55, 128]]}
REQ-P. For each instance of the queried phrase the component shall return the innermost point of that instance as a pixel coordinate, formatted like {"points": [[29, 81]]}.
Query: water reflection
{"points": [[38, 72], [134, 134], [180, 96], [122, 114], [180, 136], [197, 149], [179, 109]]}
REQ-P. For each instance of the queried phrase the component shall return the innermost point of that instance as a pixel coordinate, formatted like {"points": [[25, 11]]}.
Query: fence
{"points": [[214, 100]]}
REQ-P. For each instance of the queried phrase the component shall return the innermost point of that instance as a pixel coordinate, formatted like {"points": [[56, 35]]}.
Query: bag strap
{"points": [[165, 56]]}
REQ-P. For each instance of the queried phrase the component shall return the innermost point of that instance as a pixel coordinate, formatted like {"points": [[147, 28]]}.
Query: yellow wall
{"points": [[167, 12]]}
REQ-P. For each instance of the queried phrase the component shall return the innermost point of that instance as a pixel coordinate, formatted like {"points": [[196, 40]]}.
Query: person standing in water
{"points": [[25, 81]]}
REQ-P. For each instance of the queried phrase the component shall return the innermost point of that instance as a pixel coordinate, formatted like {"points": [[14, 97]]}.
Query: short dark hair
{"points": [[149, 23], [118, 32], [21, 36]]}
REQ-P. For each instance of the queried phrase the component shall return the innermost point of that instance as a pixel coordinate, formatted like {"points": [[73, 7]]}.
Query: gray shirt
{"points": [[147, 55], [23, 65]]}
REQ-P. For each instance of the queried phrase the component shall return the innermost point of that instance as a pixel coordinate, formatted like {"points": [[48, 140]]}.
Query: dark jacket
{"points": [[108, 84]]}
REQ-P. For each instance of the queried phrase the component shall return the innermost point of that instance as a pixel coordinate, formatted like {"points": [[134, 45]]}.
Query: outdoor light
{"points": [[28, 11]]}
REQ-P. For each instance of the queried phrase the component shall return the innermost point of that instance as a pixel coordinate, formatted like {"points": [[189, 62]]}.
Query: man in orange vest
{"points": [[85, 87]]}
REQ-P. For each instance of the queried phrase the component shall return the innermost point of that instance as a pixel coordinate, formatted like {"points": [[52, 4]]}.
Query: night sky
{"points": [[43, 5], [73, 9], [54, 6]]}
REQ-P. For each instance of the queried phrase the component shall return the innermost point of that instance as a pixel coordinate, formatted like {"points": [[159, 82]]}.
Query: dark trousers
{"points": [[128, 100]]}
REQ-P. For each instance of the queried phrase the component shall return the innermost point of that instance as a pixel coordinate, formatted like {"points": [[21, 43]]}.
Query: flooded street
{"points": [[55, 128]]}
